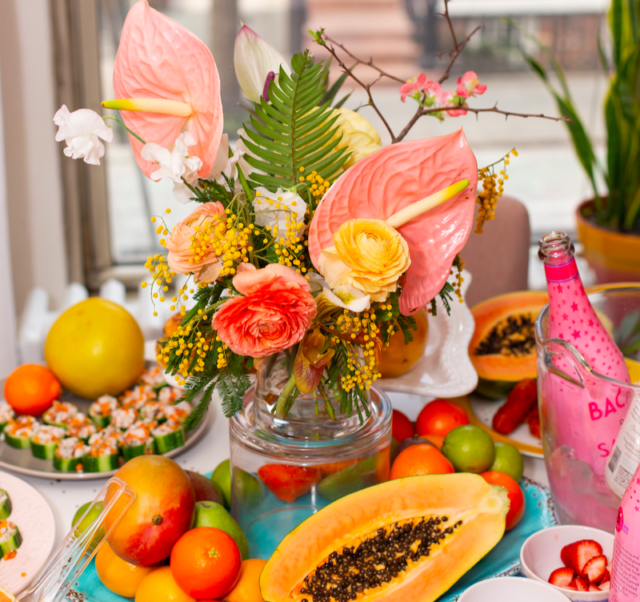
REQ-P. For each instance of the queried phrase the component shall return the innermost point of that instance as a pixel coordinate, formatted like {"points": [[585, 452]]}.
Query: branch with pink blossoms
{"points": [[431, 98]]}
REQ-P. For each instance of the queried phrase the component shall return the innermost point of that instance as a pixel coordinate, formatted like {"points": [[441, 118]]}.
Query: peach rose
{"points": [[187, 252], [273, 313]]}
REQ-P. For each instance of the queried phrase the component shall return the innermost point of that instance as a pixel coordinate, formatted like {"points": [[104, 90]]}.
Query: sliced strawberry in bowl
{"points": [[576, 555], [562, 577], [594, 588], [579, 584], [606, 577], [595, 569], [605, 586]]}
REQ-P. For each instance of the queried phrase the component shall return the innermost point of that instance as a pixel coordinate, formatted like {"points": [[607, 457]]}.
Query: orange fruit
{"points": [[5, 596], [399, 357], [160, 586], [516, 496], [248, 587], [205, 562], [120, 576], [31, 389], [420, 459], [440, 417], [437, 440]]}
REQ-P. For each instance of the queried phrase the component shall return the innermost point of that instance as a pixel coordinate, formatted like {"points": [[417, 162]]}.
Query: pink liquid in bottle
{"points": [[581, 412], [625, 566]]}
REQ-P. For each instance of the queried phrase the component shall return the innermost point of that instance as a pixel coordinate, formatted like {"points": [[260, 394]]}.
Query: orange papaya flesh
{"points": [[407, 539], [503, 346]]}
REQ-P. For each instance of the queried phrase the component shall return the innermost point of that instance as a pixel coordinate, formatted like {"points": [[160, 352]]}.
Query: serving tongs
{"points": [[78, 548]]}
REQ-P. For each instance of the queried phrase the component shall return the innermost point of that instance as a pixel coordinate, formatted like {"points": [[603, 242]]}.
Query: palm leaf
{"points": [[293, 130]]}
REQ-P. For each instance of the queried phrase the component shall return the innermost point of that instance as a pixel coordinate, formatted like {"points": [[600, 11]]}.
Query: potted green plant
{"points": [[609, 224]]}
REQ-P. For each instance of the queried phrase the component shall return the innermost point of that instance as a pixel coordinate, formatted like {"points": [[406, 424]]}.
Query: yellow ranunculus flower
{"points": [[358, 135], [368, 255]]}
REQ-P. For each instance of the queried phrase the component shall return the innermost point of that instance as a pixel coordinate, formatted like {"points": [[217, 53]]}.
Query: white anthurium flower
{"points": [[255, 61], [279, 211], [176, 165], [348, 297], [82, 130]]}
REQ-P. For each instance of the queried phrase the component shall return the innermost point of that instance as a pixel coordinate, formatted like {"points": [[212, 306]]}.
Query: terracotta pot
{"points": [[613, 256]]}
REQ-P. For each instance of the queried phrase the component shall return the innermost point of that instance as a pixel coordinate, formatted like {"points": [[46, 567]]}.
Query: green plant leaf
{"points": [[292, 131]]}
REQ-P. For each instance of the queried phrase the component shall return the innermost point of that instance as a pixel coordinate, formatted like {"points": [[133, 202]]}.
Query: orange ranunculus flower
{"points": [[187, 252], [273, 314]]}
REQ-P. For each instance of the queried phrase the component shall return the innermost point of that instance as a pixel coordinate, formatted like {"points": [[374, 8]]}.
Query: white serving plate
{"points": [[445, 369], [33, 517]]}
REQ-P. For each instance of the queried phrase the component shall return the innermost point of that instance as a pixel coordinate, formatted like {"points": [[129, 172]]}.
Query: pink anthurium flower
{"points": [[165, 79], [393, 178], [468, 85]]}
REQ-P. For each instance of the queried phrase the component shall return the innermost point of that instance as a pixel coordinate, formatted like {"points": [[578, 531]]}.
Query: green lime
{"points": [[211, 514], [469, 449], [508, 460], [222, 478], [87, 520]]}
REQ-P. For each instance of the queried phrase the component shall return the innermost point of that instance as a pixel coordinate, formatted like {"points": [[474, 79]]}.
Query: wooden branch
{"points": [[368, 63], [366, 87], [454, 54], [448, 18]]}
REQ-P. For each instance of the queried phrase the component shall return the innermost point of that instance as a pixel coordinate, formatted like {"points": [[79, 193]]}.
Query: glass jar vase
{"points": [[288, 460]]}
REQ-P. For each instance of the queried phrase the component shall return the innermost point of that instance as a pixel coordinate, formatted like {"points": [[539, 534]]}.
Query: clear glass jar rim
{"points": [[360, 440], [592, 291]]}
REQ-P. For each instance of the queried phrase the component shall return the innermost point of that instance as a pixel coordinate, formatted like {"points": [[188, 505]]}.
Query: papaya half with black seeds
{"points": [[406, 539]]}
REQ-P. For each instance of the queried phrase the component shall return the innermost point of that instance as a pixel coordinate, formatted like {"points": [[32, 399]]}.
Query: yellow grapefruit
{"points": [[120, 576], [95, 348]]}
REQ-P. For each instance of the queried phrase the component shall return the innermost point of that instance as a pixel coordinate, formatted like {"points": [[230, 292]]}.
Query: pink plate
{"points": [[389, 180], [33, 517]]}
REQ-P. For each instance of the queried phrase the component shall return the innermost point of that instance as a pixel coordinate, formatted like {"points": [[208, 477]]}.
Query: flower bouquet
{"points": [[309, 238]]}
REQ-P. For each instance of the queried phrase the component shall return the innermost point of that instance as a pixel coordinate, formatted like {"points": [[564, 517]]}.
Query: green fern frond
{"points": [[291, 131]]}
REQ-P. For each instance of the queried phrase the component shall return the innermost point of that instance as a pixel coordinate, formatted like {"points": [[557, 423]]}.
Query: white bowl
{"points": [[511, 589], [540, 555]]}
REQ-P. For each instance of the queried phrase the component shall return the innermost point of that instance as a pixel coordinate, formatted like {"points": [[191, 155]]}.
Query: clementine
{"points": [[160, 586], [248, 587], [31, 389], [515, 494], [205, 562], [418, 460], [120, 576], [440, 417]]}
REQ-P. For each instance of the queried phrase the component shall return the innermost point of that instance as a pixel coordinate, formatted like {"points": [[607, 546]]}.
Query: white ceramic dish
{"points": [[445, 369], [33, 517], [511, 589], [540, 556]]}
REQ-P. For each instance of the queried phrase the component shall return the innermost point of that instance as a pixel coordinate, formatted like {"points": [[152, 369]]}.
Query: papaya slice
{"points": [[407, 539], [503, 347]]}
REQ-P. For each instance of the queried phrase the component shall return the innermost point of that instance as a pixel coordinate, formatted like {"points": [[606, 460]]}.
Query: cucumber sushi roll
{"points": [[60, 413], [10, 539], [45, 440], [137, 441], [103, 456], [123, 418], [70, 454], [168, 436], [137, 397], [5, 505], [18, 432], [170, 395], [101, 409], [177, 413], [152, 411], [81, 427], [154, 377], [109, 432], [6, 414]]}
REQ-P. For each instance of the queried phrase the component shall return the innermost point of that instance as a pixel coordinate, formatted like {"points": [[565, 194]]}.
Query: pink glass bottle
{"points": [[581, 411], [625, 564]]}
